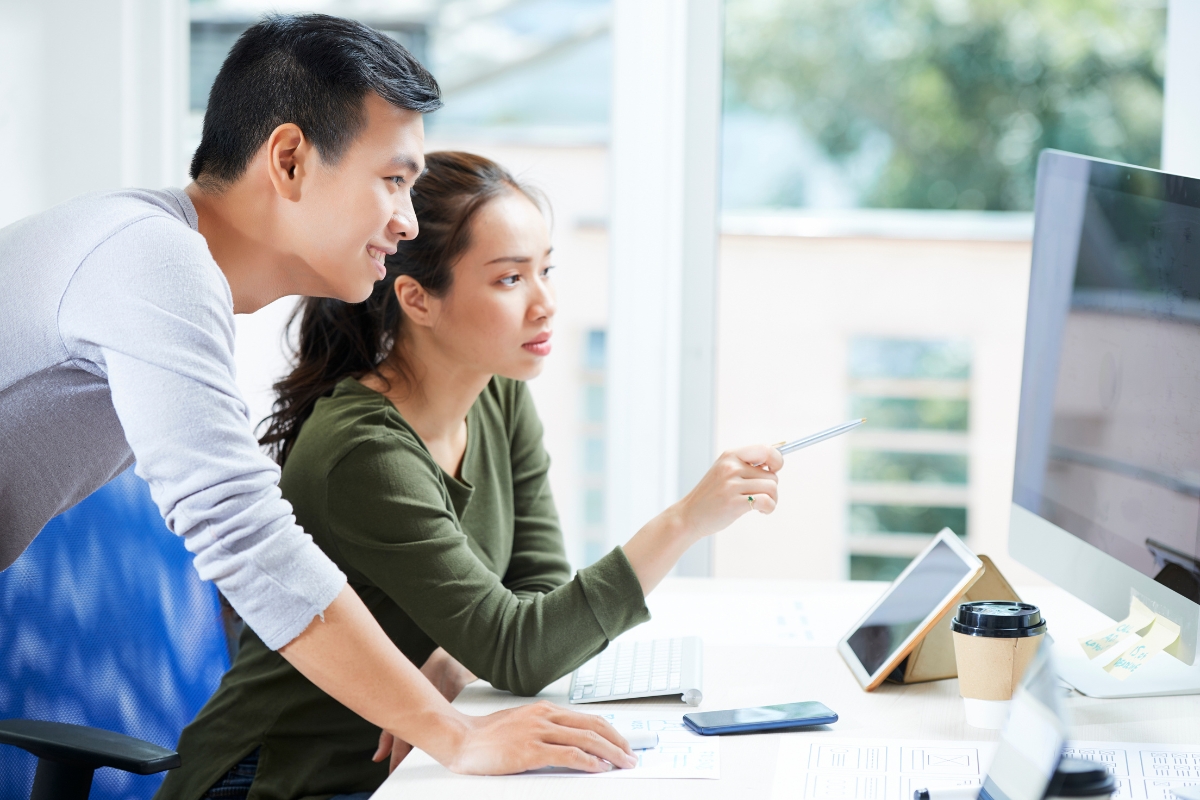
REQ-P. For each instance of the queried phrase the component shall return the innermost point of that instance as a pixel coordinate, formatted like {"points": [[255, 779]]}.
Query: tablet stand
{"points": [[933, 657]]}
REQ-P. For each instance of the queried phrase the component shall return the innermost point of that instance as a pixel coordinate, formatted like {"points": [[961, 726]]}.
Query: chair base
{"points": [[58, 781]]}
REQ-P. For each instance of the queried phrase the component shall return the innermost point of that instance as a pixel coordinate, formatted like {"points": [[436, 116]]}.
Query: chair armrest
{"points": [[90, 748]]}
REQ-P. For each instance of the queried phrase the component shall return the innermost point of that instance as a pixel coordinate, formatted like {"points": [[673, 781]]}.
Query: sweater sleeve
{"points": [[149, 310], [392, 521]]}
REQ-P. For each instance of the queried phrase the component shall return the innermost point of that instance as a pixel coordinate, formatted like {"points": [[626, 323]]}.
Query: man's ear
{"points": [[289, 155], [414, 300]]}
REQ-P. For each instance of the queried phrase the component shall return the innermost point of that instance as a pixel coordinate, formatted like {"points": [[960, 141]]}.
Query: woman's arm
{"points": [[391, 522], [720, 497]]}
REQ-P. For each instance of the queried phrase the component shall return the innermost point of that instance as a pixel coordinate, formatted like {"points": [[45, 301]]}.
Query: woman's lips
{"points": [[539, 346]]}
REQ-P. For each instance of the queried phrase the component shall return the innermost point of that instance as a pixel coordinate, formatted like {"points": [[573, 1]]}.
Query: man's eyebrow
{"points": [[406, 162]]}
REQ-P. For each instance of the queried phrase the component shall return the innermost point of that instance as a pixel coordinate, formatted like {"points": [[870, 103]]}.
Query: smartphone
{"points": [[763, 718]]}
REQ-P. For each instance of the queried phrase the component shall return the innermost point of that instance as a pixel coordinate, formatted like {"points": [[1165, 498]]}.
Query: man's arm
{"points": [[148, 310]]}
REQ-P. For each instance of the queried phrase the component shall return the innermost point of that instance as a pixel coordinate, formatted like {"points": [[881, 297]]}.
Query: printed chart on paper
{"points": [[863, 769]]}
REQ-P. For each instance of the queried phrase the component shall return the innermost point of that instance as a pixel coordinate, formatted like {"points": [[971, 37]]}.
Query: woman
{"points": [[412, 453]]}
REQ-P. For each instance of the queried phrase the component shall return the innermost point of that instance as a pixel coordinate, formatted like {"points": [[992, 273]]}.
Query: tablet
{"points": [[934, 581]]}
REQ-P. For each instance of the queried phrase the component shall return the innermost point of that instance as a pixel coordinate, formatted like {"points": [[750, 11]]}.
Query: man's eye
{"points": [[510, 280], [546, 271]]}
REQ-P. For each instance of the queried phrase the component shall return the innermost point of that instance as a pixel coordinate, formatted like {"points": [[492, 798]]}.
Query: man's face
{"points": [[351, 214]]}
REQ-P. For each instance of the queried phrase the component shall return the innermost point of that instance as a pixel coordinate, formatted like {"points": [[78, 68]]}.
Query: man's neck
{"points": [[238, 225]]}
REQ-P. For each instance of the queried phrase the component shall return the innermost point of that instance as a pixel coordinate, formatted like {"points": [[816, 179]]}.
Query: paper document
{"points": [[1156, 634], [811, 768]]}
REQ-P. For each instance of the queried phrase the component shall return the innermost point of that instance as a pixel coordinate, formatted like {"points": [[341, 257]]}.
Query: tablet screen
{"points": [[907, 605]]}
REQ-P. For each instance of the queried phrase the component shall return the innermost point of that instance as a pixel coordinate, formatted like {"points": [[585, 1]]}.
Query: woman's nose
{"points": [[544, 304]]}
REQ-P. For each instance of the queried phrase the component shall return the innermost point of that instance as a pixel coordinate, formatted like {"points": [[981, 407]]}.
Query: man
{"points": [[118, 342]]}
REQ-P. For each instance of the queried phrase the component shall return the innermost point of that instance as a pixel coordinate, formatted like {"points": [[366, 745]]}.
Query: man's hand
{"points": [[447, 676]]}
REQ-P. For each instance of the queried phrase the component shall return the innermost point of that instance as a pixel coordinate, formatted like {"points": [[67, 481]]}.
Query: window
{"points": [[909, 475], [592, 480], [936, 104]]}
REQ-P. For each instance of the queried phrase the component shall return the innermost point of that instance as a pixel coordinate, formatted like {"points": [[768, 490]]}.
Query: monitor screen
{"points": [[908, 603], [1108, 446]]}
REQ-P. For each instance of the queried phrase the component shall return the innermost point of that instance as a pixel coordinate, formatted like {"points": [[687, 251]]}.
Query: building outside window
{"points": [[908, 467]]}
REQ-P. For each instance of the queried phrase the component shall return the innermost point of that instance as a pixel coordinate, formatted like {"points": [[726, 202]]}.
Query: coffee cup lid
{"points": [[999, 619], [1078, 777]]}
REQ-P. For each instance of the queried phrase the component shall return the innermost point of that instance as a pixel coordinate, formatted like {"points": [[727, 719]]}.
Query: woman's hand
{"points": [[741, 480], [447, 676]]}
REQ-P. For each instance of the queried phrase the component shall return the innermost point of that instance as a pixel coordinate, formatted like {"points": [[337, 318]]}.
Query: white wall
{"points": [[92, 96]]}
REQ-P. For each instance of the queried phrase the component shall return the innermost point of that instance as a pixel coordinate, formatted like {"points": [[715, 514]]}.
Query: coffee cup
{"points": [[994, 641], [1081, 779]]}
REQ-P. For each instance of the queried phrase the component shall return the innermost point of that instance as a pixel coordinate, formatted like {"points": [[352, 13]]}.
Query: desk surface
{"points": [[744, 667]]}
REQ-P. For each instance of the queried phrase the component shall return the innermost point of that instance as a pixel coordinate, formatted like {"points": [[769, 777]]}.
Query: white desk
{"points": [[739, 672]]}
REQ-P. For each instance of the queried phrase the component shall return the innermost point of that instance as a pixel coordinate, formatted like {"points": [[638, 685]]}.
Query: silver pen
{"points": [[820, 436]]}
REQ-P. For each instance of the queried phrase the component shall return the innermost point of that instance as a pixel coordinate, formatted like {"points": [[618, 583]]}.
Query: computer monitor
{"points": [[1106, 489]]}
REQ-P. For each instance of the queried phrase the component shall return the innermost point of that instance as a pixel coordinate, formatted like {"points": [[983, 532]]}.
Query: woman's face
{"points": [[498, 314]]}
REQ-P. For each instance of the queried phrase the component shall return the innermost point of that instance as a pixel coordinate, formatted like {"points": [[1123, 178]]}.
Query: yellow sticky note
{"points": [[1161, 634], [1138, 620]]}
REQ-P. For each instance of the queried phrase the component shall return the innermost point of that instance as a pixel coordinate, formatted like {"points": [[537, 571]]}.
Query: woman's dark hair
{"points": [[338, 339], [310, 69]]}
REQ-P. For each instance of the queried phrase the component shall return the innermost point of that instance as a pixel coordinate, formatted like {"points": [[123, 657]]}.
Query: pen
{"points": [[954, 793], [808, 441]]}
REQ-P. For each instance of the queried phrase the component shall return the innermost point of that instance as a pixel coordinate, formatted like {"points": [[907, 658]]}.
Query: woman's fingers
{"points": [[763, 503], [762, 456], [385, 746], [758, 486], [400, 751]]}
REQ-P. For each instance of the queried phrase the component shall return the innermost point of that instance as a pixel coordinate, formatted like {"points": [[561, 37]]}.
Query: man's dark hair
{"points": [[313, 70]]}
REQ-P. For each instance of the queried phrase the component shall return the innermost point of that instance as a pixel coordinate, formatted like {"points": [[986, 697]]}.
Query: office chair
{"points": [[104, 624]]}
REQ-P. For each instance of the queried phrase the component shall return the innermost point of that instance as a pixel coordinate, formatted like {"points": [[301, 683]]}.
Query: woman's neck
{"points": [[436, 401]]}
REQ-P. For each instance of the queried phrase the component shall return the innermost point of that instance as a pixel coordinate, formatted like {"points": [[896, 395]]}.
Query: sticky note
{"points": [[1162, 634], [1138, 620]]}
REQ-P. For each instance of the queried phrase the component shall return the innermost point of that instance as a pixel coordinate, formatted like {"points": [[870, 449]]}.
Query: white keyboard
{"points": [[642, 669]]}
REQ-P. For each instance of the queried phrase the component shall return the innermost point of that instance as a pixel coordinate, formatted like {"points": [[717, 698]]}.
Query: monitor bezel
{"points": [[1092, 575]]}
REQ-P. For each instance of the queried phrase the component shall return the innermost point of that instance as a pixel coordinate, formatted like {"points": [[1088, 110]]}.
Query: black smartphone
{"points": [[763, 718]]}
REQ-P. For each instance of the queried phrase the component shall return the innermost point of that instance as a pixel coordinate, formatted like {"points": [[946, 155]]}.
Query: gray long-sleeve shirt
{"points": [[116, 345]]}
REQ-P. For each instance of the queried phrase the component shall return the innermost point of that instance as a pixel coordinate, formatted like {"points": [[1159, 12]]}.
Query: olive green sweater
{"points": [[473, 565]]}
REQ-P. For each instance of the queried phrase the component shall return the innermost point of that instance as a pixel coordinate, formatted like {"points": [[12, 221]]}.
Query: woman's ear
{"points": [[414, 301]]}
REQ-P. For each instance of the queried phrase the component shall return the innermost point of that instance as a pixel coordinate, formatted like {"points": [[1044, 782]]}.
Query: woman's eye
{"points": [[510, 280], [396, 179], [546, 271]]}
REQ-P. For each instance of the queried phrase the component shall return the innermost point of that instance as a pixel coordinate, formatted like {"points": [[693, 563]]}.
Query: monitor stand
{"points": [[1162, 675]]}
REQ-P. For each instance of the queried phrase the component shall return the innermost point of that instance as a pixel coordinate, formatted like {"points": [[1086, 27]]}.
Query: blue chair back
{"points": [[104, 622]]}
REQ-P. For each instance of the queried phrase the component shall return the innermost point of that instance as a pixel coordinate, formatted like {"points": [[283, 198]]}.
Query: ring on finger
{"points": [[750, 497]]}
